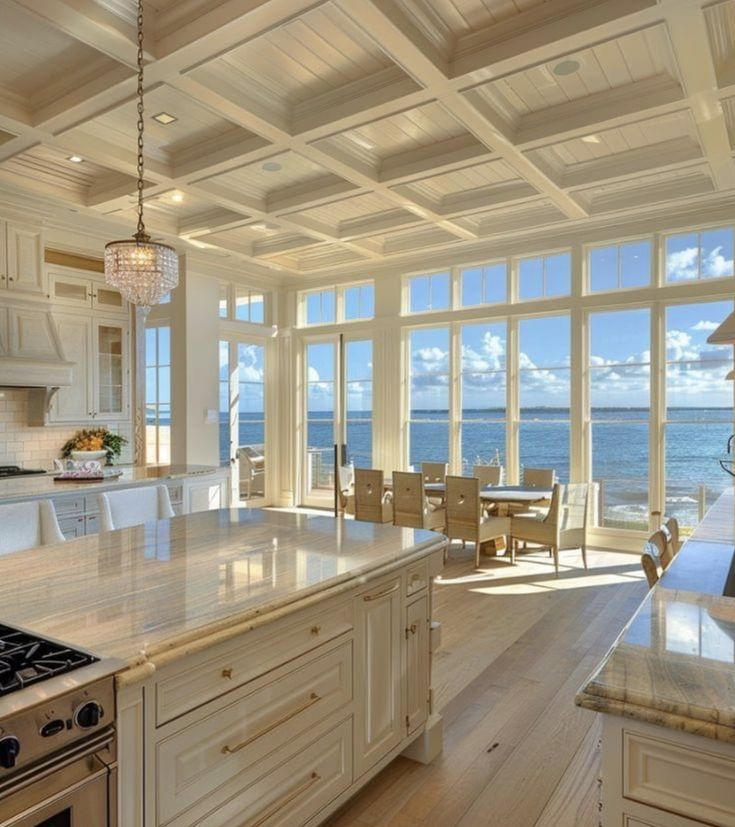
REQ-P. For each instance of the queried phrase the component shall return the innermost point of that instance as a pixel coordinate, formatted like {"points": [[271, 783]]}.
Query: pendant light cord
{"points": [[141, 233]]}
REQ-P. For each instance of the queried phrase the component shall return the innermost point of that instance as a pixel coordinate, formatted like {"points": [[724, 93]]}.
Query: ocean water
{"points": [[695, 438]]}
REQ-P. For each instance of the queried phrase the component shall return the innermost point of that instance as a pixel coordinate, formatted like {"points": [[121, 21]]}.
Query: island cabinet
{"points": [[283, 722]]}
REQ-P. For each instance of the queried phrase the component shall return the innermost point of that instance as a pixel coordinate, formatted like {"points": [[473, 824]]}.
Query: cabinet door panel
{"points": [[378, 632], [74, 404], [25, 259], [417, 663]]}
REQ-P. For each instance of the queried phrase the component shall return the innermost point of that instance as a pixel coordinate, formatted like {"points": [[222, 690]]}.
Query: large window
{"points": [[619, 266], [704, 255], [432, 292], [359, 402], [241, 304], [545, 276], [619, 393], [158, 395], [544, 378], [699, 414], [483, 393], [428, 425]]}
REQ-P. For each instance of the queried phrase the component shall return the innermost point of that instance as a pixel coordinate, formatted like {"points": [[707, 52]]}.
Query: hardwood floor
{"points": [[517, 643]]}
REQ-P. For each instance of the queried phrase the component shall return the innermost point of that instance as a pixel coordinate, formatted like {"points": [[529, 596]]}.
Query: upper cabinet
{"points": [[75, 288], [21, 258]]}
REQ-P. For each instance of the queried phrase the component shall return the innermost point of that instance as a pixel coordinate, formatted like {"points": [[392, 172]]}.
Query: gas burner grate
{"points": [[27, 659]]}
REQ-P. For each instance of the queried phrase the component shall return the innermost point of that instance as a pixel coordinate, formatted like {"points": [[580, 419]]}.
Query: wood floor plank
{"points": [[516, 644]]}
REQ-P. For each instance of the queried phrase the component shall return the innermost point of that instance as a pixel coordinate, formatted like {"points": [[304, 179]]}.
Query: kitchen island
{"points": [[271, 663], [667, 691], [191, 488]]}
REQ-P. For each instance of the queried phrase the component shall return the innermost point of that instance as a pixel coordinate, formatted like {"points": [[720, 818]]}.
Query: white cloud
{"points": [[682, 264], [704, 325], [715, 264]]}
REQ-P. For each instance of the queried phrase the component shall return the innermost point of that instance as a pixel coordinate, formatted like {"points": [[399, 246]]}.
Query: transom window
{"points": [[619, 266], [544, 276], [430, 292], [699, 255], [346, 303], [484, 284], [239, 303]]}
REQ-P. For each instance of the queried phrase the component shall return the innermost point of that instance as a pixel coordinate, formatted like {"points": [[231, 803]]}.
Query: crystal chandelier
{"points": [[142, 270]]}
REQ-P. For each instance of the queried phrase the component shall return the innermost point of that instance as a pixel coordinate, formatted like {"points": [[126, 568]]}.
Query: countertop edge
{"points": [[145, 665], [651, 715]]}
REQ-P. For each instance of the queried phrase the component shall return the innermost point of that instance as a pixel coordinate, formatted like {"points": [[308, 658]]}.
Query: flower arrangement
{"points": [[95, 439]]}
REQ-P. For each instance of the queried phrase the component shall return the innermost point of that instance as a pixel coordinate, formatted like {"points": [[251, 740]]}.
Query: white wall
{"points": [[194, 379]]}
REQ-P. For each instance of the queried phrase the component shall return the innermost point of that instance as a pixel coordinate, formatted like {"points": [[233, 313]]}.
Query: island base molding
{"points": [[281, 725], [654, 776]]}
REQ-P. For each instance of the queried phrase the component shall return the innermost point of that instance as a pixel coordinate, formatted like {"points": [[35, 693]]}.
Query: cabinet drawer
{"points": [[417, 578], [69, 505], [201, 678], [679, 779], [295, 791], [72, 527], [205, 759], [92, 504]]}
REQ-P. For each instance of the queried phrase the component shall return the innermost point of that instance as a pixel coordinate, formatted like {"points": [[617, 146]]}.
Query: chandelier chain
{"points": [[141, 227]]}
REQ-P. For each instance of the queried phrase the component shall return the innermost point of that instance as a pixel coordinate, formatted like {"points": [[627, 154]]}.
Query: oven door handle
{"points": [[42, 769]]}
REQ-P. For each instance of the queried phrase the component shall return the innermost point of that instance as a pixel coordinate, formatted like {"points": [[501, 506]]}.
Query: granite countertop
{"points": [[674, 663], [138, 593], [38, 486]]}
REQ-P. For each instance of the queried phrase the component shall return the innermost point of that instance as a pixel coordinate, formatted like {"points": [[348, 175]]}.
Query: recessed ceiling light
{"points": [[566, 67], [75, 159], [165, 118], [271, 166], [591, 139], [177, 196]]}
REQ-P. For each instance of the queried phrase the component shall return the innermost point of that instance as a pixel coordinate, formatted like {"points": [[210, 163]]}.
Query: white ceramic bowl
{"points": [[86, 456]]}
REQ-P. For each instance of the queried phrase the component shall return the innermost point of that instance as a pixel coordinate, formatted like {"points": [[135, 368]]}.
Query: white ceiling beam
{"points": [[688, 32]]}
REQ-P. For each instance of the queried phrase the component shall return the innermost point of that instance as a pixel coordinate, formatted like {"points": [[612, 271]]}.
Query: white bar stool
{"points": [[134, 506], [28, 525]]}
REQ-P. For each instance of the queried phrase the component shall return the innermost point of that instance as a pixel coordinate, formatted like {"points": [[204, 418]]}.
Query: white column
{"points": [[194, 379]]}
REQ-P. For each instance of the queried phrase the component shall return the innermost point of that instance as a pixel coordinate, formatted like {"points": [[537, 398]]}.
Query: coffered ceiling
{"points": [[318, 137]]}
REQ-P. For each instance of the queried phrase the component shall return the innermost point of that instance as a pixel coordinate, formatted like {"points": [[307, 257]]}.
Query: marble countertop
{"points": [[37, 486], [674, 663], [137, 593]]}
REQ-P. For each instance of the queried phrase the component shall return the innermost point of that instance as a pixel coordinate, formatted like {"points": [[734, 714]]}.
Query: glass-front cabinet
{"points": [[111, 369]]}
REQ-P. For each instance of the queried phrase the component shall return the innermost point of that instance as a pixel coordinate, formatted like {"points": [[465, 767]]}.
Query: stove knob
{"points": [[88, 715], [9, 751]]}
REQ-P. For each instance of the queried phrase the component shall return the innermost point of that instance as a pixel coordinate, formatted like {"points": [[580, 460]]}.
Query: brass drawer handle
{"points": [[378, 595], [227, 673], [287, 799], [312, 699], [315, 630]]}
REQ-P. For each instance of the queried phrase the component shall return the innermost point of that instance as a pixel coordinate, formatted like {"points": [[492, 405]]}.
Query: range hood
{"points": [[31, 355]]}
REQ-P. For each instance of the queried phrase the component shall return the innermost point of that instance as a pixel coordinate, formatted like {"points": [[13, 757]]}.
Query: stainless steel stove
{"points": [[58, 756], [17, 471]]}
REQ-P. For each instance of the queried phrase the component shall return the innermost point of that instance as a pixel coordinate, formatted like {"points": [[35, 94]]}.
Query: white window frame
{"points": [[452, 272], [664, 237], [588, 248], [482, 265], [546, 254], [339, 304], [231, 288]]}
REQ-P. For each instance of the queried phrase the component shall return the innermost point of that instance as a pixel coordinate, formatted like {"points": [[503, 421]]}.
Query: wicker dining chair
{"points": [[465, 519], [372, 502], [411, 506]]}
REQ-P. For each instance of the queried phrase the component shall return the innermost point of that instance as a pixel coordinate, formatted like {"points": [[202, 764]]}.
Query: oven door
{"points": [[74, 789]]}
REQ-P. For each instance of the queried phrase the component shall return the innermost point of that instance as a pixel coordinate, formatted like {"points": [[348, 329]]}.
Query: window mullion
{"points": [[512, 403]]}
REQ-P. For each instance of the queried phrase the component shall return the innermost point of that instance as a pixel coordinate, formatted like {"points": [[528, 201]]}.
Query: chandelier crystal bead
{"points": [[144, 271]]}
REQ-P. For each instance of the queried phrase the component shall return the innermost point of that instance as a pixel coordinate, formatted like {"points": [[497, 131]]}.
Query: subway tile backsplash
{"points": [[37, 447]]}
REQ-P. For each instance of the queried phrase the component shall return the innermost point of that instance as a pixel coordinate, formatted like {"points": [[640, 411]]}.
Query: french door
{"points": [[337, 410]]}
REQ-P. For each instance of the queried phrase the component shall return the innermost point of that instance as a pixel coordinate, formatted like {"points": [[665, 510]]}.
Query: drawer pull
{"points": [[287, 799], [415, 576], [411, 630], [378, 595], [315, 630], [313, 698], [227, 673]]}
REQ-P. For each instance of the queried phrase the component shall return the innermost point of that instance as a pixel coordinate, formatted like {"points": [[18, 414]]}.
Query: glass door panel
{"points": [[321, 419], [358, 381], [110, 369]]}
